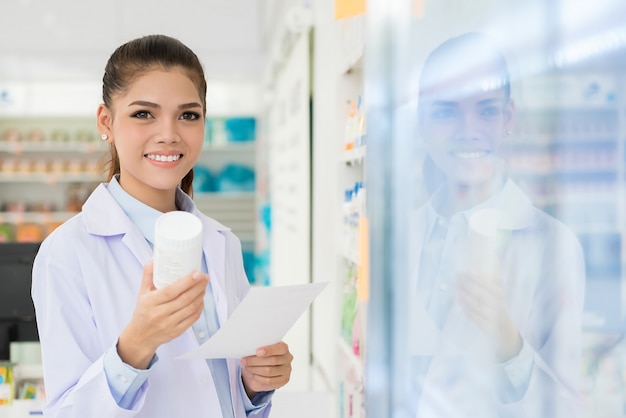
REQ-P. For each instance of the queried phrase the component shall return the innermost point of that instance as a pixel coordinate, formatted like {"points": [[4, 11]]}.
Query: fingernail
{"points": [[260, 352], [196, 275], [243, 361]]}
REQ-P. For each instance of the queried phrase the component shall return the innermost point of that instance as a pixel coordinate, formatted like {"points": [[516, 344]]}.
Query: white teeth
{"points": [[163, 158], [469, 155]]}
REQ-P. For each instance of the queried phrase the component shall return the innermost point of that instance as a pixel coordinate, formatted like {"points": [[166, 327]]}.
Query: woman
{"points": [[498, 283], [109, 338]]}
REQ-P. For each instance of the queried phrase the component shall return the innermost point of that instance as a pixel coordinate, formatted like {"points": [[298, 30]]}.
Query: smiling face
{"points": [[157, 128], [465, 111], [463, 134]]}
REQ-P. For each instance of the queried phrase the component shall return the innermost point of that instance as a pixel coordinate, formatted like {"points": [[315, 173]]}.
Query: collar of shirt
{"points": [[141, 214], [508, 209]]}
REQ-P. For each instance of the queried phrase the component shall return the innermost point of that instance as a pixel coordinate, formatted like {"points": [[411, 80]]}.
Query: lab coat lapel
{"points": [[214, 248], [137, 244], [104, 216]]}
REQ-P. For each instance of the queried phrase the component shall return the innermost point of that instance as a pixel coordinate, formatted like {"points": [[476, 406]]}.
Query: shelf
{"points": [[28, 372], [50, 178], [353, 61], [35, 217], [546, 142], [22, 408], [350, 256], [235, 210], [353, 360], [52, 146], [354, 156]]}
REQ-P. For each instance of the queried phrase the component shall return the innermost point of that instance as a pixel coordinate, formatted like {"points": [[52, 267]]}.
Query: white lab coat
{"points": [[86, 279], [541, 268]]}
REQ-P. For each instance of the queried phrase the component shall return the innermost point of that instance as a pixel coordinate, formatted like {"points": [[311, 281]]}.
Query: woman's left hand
{"points": [[484, 302], [269, 369]]}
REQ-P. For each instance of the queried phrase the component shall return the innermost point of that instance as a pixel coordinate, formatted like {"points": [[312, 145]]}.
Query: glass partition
{"points": [[495, 174]]}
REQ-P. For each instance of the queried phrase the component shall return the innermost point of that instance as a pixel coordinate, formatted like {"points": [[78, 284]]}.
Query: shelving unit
{"points": [[235, 208], [352, 158], [48, 167], [569, 156]]}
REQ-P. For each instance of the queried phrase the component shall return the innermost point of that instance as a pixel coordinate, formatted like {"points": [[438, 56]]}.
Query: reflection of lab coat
{"points": [[85, 283], [542, 272]]}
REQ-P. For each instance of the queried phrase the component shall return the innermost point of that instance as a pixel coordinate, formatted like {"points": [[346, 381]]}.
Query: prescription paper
{"points": [[262, 318]]}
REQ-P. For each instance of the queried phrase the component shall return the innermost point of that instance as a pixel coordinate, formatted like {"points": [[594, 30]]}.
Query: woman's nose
{"points": [[168, 132], [468, 127]]}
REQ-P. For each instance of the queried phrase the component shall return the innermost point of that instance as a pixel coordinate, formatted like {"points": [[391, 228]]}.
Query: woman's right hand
{"points": [[160, 316]]}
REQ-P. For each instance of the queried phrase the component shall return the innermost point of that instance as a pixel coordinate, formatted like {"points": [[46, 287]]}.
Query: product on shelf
{"points": [[84, 135], [236, 178], [58, 166], [24, 166], [220, 131], [7, 232], [41, 166], [41, 207], [15, 206], [203, 179], [75, 166], [29, 232], [92, 165], [36, 135], [11, 135], [51, 226], [8, 165], [59, 135], [6, 383]]}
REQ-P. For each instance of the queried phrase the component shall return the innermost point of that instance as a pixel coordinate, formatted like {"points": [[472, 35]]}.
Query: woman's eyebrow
{"points": [[189, 105], [490, 101], [145, 103]]}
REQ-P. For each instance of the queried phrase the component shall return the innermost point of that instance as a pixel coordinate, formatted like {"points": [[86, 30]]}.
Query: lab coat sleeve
{"points": [[553, 332], [72, 354]]}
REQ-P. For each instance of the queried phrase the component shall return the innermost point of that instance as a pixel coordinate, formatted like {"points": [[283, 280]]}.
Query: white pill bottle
{"points": [[177, 247]]}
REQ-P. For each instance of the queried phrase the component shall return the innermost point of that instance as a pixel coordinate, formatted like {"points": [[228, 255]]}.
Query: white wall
{"points": [[70, 39]]}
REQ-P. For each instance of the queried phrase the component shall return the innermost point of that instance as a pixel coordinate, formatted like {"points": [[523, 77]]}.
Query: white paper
{"points": [[262, 318]]}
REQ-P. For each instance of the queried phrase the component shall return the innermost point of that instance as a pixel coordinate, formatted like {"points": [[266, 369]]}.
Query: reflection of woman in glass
{"points": [[499, 284]]}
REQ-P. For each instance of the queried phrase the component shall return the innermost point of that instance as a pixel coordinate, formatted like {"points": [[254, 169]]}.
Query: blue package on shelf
{"points": [[236, 178], [262, 268], [249, 265], [203, 179], [240, 129], [265, 215]]}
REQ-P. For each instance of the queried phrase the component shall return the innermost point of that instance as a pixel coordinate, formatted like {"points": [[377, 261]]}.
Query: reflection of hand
{"points": [[269, 369], [482, 299], [161, 315]]}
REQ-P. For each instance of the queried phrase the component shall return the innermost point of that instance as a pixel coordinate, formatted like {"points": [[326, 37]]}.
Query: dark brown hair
{"points": [[139, 56], [459, 60]]}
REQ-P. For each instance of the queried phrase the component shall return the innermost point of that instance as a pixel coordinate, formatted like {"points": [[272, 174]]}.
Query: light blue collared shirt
{"points": [[126, 382], [440, 260]]}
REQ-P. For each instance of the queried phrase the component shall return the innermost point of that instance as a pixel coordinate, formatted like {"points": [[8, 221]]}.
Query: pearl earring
{"points": [[104, 137]]}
